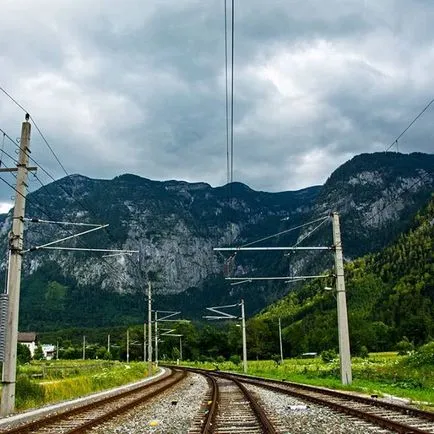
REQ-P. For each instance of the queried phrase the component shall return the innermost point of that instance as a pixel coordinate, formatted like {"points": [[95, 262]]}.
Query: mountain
{"points": [[390, 298], [176, 224]]}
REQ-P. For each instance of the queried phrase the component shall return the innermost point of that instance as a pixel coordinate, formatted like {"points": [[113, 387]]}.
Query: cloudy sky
{"points": [[139, 86]]}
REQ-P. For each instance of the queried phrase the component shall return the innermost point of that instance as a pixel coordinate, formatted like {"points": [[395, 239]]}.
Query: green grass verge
{"points": [[32, 393], [382, 373]]}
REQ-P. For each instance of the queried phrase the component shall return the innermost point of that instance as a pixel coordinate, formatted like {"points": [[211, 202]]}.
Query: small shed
{"points": [[311, 355]]}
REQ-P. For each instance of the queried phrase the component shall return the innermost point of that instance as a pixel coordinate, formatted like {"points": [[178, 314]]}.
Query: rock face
{"points": [[176, 224]]}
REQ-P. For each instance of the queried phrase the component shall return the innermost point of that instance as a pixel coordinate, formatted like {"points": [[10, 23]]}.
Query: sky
{"points": [[139, 87]]}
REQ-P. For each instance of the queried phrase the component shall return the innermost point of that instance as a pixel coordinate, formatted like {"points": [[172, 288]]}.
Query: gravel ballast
{"points": [[300, 417], [170, 413]]}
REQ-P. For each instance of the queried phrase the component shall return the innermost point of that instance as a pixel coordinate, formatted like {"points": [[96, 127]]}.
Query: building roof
{"points": [[26, 337]]}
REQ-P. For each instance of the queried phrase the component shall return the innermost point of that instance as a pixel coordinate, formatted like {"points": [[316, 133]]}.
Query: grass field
{"points": [[41, 383], [380, 373]]}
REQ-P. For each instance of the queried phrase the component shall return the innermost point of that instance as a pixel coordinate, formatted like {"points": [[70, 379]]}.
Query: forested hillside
{"points": [[390, 295], [174, 226]]}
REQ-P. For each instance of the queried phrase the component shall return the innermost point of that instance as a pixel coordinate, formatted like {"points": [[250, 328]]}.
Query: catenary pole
{"points": [[243, 325], [156, 338], [128, 346], [14, 275], [280, 341], [344, 339], [149, 329], [84, 347], [144, 341]]}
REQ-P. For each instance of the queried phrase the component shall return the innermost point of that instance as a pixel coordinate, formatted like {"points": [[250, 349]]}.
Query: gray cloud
{"points": [[127, 87]]}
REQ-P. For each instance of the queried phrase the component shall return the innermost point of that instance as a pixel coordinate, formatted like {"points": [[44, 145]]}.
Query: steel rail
{"points": [[371, 417], [109, 415], [267, 426], [305, 392], [338, 394], [212, 413], [35, 425], [210, 420]]}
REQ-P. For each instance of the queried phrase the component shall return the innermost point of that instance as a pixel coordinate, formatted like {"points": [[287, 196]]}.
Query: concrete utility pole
{"points": [[149, 329], [57, 350], [156, 337], [344, 339], [225, 315], [84, 347], [108, 344], [14, 275], [144, 342], [280, 341], [243, 325], [128, 346]]}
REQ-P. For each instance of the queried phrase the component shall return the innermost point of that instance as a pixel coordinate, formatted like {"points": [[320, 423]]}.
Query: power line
{"points": [[232, 90], [286, 231], [84, 207], [36, 205], [410, 125], [14, 100], [227, 97]]}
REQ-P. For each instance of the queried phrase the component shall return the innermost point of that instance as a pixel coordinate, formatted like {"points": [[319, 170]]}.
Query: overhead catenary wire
{"points": [[285, 231], [3, 147], [85, 207], [395, 142], [311, 232], [118, 276], [59, 185], [230, 132], [36, 126], [226, 95], [232, 89]]}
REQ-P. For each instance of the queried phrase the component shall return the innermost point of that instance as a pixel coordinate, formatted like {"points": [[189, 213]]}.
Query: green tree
{"points": [[39, 353], [23, 354]]}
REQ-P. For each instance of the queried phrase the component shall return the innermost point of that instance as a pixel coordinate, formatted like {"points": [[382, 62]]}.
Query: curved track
{"points": [[82, 418], [397, 418], [232, 409]]}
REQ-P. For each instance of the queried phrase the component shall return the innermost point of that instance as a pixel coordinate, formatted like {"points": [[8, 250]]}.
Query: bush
{"points": [[424, 356], [404, 347], [363, 352], [235, 359], [276, 359], [328, 356]]}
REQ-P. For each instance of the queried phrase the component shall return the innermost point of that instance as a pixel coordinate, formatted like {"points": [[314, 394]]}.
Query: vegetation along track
{"points": [[232, 409], [81, 419], [397, 418]]}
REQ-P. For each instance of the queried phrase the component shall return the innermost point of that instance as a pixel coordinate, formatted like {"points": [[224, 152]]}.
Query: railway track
{"points": [[232, 409], [82, 418], [396, 418]]}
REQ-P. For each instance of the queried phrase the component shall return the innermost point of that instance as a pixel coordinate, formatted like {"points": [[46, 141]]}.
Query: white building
{"points": [[29, 340], [49, 351]]}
